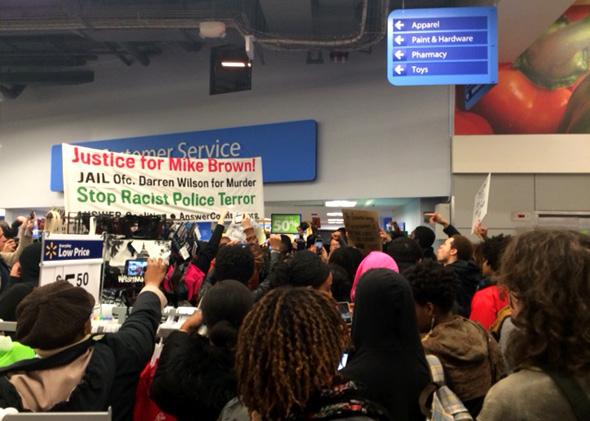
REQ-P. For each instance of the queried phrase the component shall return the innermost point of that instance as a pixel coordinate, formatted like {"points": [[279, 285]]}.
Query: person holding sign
{"points": [[76, 371]]}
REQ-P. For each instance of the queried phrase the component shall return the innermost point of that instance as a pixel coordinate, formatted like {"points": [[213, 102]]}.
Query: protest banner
{"points": [[480, 205], [362, 229], [103, 182]]}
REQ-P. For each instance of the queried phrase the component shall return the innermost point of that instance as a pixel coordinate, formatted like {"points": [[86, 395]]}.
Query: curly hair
{"points": [[234, 262], [303, 269], [405, 251], [491, 249], [289, 347], [433, 283], [548, 272]]}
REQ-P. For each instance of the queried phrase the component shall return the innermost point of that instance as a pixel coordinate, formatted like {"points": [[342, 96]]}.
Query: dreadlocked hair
{"points": [[289, 347]]}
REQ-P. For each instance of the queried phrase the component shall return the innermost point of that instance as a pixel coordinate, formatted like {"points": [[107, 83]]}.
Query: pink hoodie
{"points": [[374, 260]]}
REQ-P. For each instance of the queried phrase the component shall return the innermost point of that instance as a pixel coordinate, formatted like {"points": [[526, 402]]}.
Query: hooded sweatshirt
{"points": [[374, 260], [470, 357], [388, 359]]}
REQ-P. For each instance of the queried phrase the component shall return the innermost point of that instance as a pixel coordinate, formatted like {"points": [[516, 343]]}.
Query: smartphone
{"points": [[135, 267], [344, 309], [36, 232], [319, 245]]}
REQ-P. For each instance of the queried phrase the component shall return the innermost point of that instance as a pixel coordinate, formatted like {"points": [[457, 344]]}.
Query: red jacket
{"points": [[486, 304]]}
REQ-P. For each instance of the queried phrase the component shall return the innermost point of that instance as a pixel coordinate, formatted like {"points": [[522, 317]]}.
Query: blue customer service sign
{"points": [[445, 46], [288, 150]]}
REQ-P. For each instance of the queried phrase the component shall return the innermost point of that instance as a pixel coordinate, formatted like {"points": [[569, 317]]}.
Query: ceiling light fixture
{"points": [[230, 70], [233, 64], [334, 214], [336, 221], [340, 204]]}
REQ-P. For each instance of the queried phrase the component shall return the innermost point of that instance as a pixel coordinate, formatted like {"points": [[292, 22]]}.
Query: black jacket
{"points": [[450, 230], [110, 379], [468, 276], [428, 253], [343, 401], [11, 298], [194, 379], [4, 275]]}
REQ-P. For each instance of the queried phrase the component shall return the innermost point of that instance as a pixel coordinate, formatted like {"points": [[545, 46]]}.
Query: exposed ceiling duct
{"points": [[44, 41], [372, 27], [58, 41], [76, 16]]}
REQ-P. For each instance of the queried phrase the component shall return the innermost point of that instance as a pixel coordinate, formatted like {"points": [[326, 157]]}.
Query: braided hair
{"points": [[289, 347]]}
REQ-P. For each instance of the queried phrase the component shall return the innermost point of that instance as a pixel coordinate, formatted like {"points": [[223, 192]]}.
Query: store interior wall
{"points": [[408, 212], [374, 140], [524, 194]]}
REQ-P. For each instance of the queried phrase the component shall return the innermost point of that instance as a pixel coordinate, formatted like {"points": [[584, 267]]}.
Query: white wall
{"points": [[530, 173], [528, 154], [410, 214], [512, 194], [374, 140]]}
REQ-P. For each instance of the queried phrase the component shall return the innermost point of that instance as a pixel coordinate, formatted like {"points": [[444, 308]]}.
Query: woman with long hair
{"points": [[547, 274], [287, 357]]}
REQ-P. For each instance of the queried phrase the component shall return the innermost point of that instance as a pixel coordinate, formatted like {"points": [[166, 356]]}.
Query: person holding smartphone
{"points": [[315, 244]]}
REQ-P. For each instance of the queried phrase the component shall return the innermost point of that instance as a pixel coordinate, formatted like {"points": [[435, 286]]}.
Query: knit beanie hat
{"points": [[53, 316]]}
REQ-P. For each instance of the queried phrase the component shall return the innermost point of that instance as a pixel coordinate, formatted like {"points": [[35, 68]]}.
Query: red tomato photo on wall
{"points": [[544, 91]]}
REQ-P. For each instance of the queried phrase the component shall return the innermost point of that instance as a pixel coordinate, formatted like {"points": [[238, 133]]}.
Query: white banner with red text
{"points": [[102, 182]]}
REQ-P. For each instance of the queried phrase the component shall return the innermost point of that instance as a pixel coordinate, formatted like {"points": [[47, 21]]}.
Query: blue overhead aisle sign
{"points": [[445, 46]]}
